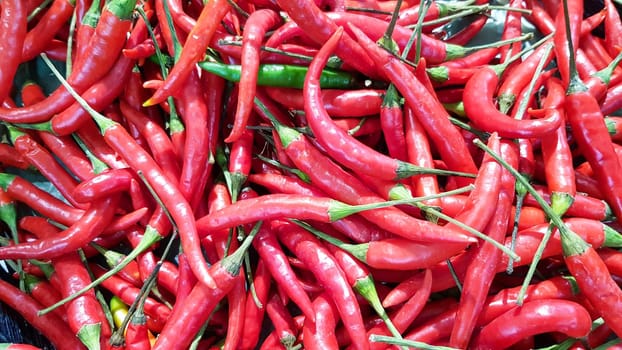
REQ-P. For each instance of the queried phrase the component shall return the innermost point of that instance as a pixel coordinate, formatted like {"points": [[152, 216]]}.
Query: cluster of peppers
{"points": [[337, 174]]}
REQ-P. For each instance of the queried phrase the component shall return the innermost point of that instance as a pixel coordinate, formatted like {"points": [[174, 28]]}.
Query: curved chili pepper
{"points": [[85, 313], [103, 185], [193, 109], [49, 325], [350, 151], [42, 33], [465, 35], [44, 293], [86, 28], [410, 310], [480, 109], [512, 28], [321, 27], [428, 110], [220, 198], [326, 270], [334, 181], [12, 40], [557, 155], [91, 224], [590, 133], [193, 50], [109, 36], [392, 123], [257, 24], [511, 84], [9, 157], [276, 262], [157, 139], [534, 317], [101, 93], [47, 165]]}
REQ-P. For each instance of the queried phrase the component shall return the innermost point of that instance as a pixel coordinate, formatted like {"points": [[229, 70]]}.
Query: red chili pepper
{"points": [[593, 278], [276, 262], [9, 157], [321, 27], [69, 154], [254, 312], [338, 103], [613, 25], [485, 116], [45, 294], [45, 29], [90, 225], [193, 50], [562, 38], [512, 28], [257, 24], [137, 333], [282, 321], [440, 325], [534, 317], [320, 334], [429, 111], [188, 318], [350, 151], [14, 15], [129, 293], [327, 272], [47, 165], [85, 26], [50, 325], [481, 270], [392, 123], [518, 78], [354, 227]]}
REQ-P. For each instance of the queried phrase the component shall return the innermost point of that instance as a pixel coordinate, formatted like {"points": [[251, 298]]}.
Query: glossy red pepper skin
{"points": [[534, 317], [258, 23], [434, 118], [479, 107], [590, 133], [270, 250], [90, 225], [319, 27], [325, 269], [596, 283], [14, 24], [193, 50], [481, 270], [48, 324], [51, 22]]}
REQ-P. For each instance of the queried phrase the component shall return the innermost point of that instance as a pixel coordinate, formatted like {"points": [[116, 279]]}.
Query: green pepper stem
{"points": [[408, 343]]}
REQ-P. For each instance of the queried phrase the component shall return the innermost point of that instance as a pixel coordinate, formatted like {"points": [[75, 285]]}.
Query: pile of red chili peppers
{"points": [[312, 174]]}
